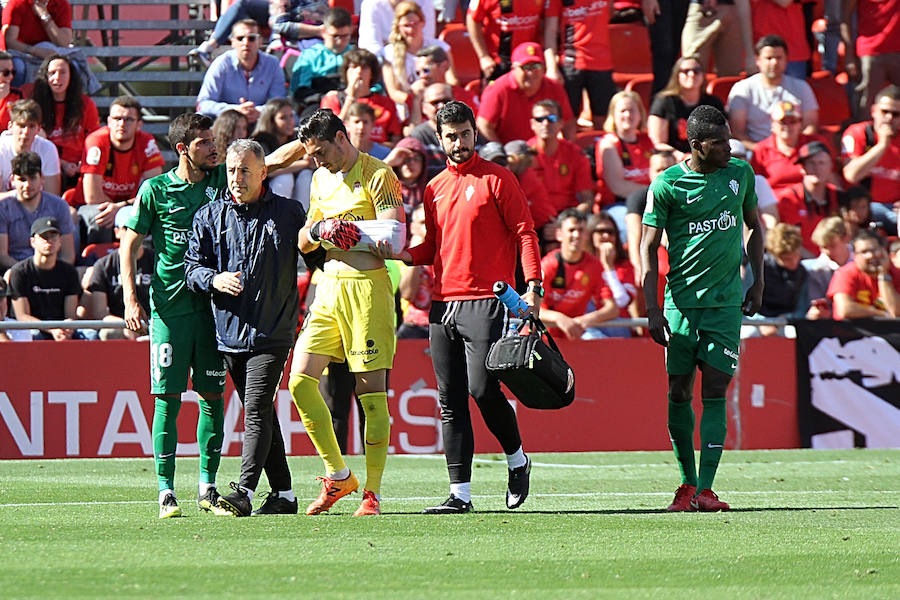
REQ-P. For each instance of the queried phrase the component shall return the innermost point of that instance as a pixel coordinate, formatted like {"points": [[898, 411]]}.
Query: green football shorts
{"points": [[179, 344], [709, 335]]}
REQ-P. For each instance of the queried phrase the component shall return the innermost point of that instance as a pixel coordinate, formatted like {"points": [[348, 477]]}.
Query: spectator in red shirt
{"points": [[873, 59], [776, 157], [117, 158], [360, 72], [864, 288], [8, 94], [806, 203], [35, 29], [506, 103], [871, 154], [573, 278], [68, 114], [520, 158], [618, 272], [497, 27], [584, 62], [623, 154], [560, 164]]}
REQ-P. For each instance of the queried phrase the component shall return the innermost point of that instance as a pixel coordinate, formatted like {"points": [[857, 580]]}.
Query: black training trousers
{"points": [[461, 333], [256, 376]]}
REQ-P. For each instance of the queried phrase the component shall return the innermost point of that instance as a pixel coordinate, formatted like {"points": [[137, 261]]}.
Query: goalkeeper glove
{"points": [[343, 234]]}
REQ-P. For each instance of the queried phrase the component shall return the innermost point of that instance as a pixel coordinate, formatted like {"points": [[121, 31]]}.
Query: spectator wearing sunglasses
{"points": [[8, 94], [243, 78], [432, 64]]}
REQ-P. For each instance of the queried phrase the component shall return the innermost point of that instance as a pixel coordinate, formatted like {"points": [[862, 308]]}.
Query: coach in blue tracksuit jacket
{"points": [[244, 253]]}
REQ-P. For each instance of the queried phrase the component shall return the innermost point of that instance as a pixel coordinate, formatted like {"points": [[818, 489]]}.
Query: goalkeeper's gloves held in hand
{"points": [[343, 234]]}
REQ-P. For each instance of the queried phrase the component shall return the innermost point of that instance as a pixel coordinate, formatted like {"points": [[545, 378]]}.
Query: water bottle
{"points": [[514, 326], [510, 299]]}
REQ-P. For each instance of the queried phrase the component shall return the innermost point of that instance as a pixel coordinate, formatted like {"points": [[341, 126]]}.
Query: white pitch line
{"points": [[624, 465], [486, 496]]}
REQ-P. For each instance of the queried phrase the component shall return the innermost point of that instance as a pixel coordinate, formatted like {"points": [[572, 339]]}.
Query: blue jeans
{"points": [[885, 215]]}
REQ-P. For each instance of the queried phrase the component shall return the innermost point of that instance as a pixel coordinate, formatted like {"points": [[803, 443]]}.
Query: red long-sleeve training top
{"points": [[477, 218]]}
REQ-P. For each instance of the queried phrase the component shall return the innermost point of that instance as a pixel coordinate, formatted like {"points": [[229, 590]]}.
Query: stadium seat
{"points": [[643, 85], [834, 108], [465, 61], [720, 86], [630, 47], [94, 252]]}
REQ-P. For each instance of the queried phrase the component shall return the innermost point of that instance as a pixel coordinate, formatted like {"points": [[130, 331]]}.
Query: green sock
{"points": [[681, 430], [713, 428], [165, 439], [210, 434]]}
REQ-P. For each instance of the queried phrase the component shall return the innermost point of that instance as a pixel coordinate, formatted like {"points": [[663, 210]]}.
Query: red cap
{"points": [[528, 52]]}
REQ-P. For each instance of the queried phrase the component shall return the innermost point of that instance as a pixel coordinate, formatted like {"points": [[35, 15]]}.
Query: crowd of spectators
{"points": [[547, 108]]}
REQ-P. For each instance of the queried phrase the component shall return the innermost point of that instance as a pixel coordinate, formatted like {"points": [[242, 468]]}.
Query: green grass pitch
{"points": [[803, 524]]}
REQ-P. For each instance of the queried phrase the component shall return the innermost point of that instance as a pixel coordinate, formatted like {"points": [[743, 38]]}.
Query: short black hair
{"points": [[770, 41], [127, 102], [454, 112], [185, 128], [26, 164], [571, 213], [866, 235], [337, 17], [434, 52], [705, 122], [322, 125], [550, 105]]}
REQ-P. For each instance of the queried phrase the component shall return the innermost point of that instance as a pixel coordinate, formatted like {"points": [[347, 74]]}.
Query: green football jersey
{"points": [[165, 209], [703, 217]]}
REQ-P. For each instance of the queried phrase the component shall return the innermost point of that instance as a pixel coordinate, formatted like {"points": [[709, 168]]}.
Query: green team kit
{"points": [[182, 332], [702, 215]]}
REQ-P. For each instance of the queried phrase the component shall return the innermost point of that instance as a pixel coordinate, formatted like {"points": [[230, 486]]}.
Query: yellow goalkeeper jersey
{"points": [[370, 186]]}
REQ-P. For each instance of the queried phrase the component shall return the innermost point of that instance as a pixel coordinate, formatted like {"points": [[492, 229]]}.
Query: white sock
{"points": [[249, 492], [516, 459], [287, 495], [203, 487], [463, 491], [164, 493], [342, 474]]}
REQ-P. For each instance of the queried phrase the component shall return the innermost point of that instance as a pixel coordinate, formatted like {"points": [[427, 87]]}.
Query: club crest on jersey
{"points": [[211, 193], [470, 191], [734, 186]]}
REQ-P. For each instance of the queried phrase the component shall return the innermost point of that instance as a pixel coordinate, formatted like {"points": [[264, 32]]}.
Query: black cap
{"points": [[811, 149], [43, 225]]}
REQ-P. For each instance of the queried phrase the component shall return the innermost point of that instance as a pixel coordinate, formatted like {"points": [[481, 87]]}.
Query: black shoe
{"points": [[276, 505], [451, 506], [519, 480], [237, 502]]}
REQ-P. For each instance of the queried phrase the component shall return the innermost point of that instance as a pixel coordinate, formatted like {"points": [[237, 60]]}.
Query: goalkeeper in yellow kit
{"points": [[352, 318]]}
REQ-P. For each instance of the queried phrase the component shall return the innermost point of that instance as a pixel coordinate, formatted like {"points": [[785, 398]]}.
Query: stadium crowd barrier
{"points": [[91, 399]]}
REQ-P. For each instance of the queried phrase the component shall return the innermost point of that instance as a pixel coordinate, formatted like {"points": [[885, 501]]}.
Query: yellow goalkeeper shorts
{"points": [[352, 319]]}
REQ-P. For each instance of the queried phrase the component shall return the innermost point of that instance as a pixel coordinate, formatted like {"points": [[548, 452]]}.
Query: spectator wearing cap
{"points": [[44, 288], [520, 159], [498, 27], [776, 157], [810, 200], [560, 164], [506, 103], [864, 287], [431, 66], [408, 160], [584, 60], [26, 204], [104, 297], [494, 152], [871, 155], [751, 100], [830, 235], [243, 78]]}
